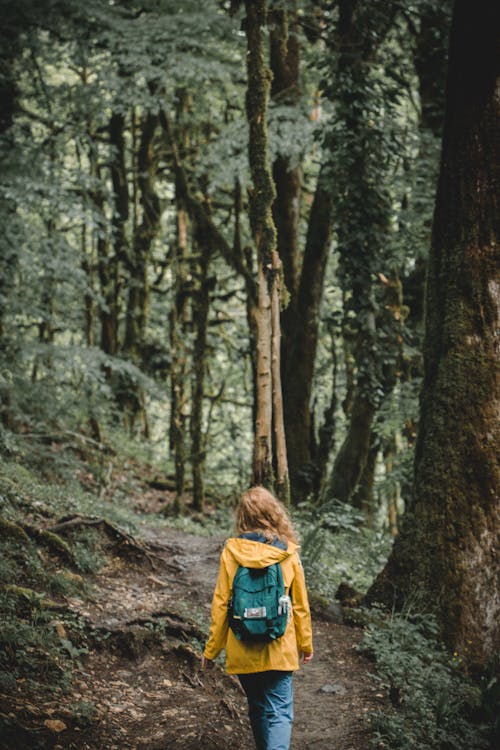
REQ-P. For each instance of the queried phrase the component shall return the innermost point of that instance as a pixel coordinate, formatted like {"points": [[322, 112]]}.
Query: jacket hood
{"points": [[257, 554]]}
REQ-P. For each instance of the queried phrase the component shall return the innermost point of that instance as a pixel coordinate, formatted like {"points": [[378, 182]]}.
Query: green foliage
{"points": [[63, 269], [436, 707], [40, 642], [337, 547], [84, 713], [30, 649], [87, 551]]}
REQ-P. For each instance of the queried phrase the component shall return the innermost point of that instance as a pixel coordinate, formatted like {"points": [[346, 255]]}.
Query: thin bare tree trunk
{"points": [[282, 478], [262, 459]]}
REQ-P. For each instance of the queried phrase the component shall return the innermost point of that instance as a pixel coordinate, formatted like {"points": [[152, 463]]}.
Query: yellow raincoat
{"points": [[281, 654]]}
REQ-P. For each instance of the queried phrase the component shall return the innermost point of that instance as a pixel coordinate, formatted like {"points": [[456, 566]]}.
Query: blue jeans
{"points": [[270, 708]]}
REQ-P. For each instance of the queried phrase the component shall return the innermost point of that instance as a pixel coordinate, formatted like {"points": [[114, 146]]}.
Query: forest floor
{"points": [[150, 693], [137, 682]]}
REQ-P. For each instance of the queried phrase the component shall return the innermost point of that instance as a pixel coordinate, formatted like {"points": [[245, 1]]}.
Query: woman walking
{"points": [[265, 536]]}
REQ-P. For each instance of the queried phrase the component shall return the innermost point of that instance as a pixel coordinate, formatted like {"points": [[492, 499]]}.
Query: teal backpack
{"points": [[259, 606]]}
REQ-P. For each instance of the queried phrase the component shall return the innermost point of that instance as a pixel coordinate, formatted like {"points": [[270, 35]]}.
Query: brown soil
{"points": [[149, 690]]}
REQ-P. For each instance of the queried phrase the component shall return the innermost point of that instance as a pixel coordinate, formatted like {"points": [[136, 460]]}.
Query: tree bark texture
{"points": [[147, 205], [362, 207], [145, 233], [107, 267], [303, 276], [449, 542], [431, 44], [263, 457], [284, 61], [301, 340], [201, 307], [178, 323], [282, 476], [261, 198]]}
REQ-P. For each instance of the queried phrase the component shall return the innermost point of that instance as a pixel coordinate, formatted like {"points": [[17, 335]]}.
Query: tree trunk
{"points": [[263, 230], [303, 280], [9, 49], [145, 233], [351, 459], [201, 304], [301, 340], [447, 549], [326, 433], [429, 57], [282, 478], [362, 206], [119, 219], [363, 497], [263, 457], [107, 264], [180, 309], [178, 323], [284, 61], [146, 200]]}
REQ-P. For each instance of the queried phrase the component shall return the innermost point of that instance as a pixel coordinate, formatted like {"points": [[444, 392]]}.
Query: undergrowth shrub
{"points": [[436, 707], [337, 547], [30, 649]]}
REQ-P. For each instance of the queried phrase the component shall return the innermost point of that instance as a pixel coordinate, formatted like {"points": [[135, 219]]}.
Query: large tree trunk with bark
{"points": [[303, 277], [264, 235], [447, 549], [362, 206], [301, 340]]}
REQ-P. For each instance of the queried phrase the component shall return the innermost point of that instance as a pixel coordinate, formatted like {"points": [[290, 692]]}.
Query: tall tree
{"points": [[303, 272], [447, 550], [269, 409], [362, 206]]}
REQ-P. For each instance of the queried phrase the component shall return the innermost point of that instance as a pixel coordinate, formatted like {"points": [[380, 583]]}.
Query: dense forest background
{"points": [[216, 226], [128, 274]]}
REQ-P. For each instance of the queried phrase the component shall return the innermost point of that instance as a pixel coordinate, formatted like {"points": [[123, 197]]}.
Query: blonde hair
{"points": [[260, 511]]}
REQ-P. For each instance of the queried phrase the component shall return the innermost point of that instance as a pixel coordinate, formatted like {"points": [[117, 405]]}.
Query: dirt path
{"points": [[150, 693]]}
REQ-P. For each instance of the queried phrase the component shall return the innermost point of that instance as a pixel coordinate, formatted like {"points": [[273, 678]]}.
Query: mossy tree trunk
{"points": [[107, 262], [301, 340], [10, 46], [447, 549], [362, 207], [144, 235], [282, 475], [178, 376], [180, 313], [303, 275], [201, 308], [263, 229], [284, 62], [147, 206]]}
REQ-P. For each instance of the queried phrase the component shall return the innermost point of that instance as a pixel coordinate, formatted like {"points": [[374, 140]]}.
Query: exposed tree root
{"points": [[118, 535], [49, 539], [172, 624], [30, 595], [133, 637], [11, 530], [25, 531]]}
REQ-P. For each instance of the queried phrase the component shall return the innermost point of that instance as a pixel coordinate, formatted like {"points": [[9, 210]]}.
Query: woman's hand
{"points": [[306, 658], [205, 663]]}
